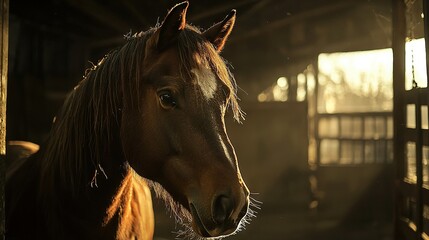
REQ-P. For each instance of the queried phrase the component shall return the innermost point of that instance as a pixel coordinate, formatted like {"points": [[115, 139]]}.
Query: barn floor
{"points": [[292, 225]]}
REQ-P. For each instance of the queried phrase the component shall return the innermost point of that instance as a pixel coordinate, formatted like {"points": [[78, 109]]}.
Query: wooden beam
{"points": [[426, 27], [137, 13], [101, 14], [399, 121], [360, 43], [224, 9], [4, 46], [254, 9], [319, 11]]}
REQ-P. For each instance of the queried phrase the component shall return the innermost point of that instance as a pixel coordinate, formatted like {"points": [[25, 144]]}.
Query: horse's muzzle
{"points": [[226, 215]]}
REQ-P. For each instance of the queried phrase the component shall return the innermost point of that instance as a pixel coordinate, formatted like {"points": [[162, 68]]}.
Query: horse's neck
{"points": [[131, 209], [120, 205], [80, 215]]}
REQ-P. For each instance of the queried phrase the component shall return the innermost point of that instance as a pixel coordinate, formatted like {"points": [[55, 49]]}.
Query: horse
{"points": [[150, 114]]}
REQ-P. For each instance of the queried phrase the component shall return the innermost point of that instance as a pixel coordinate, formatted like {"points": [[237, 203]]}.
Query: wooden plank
{"points": [[220, 9], [3, 72], [407, 189], [426, 195], [415, 94], [426, 27], [408, 229], [4, 46], [411, 134], [101, 14], [357, 114], [299, 17], [357, 139]]}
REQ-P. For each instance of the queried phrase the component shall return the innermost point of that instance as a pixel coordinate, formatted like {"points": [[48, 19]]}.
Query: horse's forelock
{"points": [[196, 52]]}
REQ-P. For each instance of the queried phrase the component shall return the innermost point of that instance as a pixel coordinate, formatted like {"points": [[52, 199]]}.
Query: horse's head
{"points": [[176, 133]]}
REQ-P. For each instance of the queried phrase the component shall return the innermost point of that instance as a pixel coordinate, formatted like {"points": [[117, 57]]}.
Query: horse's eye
{"points": [[167, 100]]}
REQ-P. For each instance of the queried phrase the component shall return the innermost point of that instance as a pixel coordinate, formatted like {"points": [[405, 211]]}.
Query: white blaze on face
{"points": [[225, 149], [206, 80]]}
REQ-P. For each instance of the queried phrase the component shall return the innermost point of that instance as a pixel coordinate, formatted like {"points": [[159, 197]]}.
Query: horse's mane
{"points": [[87, 125]]}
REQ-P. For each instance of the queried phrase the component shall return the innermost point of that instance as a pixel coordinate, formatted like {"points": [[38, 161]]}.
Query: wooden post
{"points": [[398, 47], [426, 27], [4, 46]]}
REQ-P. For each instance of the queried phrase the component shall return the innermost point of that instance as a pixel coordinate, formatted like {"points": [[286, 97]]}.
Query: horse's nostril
{"points": [[222, 209]]}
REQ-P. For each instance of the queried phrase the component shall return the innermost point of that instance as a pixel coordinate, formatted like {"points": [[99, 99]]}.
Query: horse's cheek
{"points": [[140, 143]]}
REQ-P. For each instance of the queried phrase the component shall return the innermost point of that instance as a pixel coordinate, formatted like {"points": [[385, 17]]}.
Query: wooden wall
{"points": [[44, 66], [4, 23]]}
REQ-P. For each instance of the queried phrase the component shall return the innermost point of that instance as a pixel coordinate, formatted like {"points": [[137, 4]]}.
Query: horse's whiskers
{"points": [[255, 203], [184, 218], [188, 232], [251, 213]]}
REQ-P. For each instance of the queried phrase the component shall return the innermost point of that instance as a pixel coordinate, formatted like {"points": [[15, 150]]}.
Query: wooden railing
{"points": [[354, 138]]}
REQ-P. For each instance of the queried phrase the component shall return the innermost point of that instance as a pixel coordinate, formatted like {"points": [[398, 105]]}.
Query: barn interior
{"points": [[335, 144]]}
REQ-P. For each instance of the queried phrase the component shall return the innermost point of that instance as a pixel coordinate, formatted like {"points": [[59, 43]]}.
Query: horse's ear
{"points": [[218, 33], [173, 24]]}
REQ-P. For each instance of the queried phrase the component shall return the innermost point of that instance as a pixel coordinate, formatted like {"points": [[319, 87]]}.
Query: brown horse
{"points": [[151, 113]]}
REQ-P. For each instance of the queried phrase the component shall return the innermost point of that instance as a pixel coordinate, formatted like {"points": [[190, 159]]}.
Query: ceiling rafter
{"points": [[101, 14], [255, 8], [221, 8], [310, 13], [136, 12]]}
